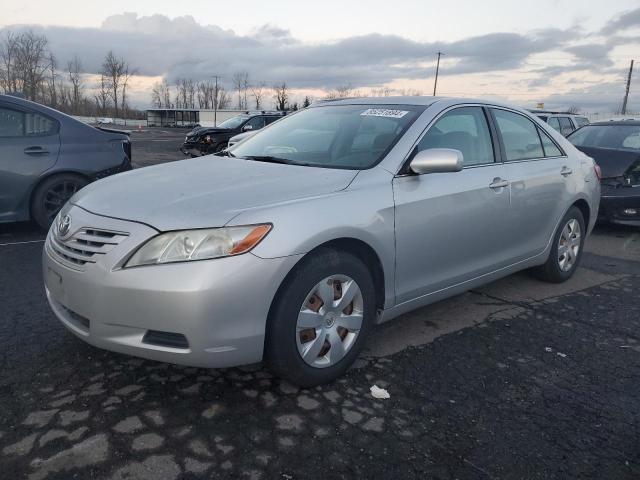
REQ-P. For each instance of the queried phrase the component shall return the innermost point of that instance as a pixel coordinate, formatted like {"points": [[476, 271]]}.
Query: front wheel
{"points": [[320, 318], [51, 195], [566, 249]]}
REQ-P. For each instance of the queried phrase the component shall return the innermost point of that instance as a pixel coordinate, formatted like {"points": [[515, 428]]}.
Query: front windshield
{"points": [[618, 137], [332, 136], [233, 122]]}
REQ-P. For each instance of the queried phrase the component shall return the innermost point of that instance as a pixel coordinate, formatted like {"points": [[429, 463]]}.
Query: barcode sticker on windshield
{"points": [[384, 112]]}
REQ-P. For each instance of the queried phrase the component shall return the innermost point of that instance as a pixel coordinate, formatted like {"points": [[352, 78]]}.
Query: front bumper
{"points": [[219, 306], [615, 201], [194, 149]]}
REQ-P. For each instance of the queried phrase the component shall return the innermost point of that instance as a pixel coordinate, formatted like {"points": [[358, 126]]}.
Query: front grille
{"points": [[84, 246]]}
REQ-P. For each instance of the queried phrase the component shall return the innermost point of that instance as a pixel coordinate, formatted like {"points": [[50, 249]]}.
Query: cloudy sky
{"points": [[561, 52]]}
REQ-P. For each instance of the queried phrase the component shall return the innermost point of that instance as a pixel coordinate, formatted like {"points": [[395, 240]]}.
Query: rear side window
{"points": [[581, 121], [566, 127], [256, 123], [463, 129], [519, 136], [550, 148], [16, 123], [553, 122], [11, 123]]}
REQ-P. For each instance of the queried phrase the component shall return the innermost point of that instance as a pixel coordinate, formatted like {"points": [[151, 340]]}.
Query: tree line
{"points": [[29, 67], [207, 94]]}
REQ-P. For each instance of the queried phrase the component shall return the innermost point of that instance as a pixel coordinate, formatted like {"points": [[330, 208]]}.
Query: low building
{"points": [[187, 117]]}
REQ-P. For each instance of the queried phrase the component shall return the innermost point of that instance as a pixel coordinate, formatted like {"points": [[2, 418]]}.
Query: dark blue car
{"points": [[46, 156]]}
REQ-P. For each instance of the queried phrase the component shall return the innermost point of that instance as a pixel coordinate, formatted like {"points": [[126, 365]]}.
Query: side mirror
{"points": [[437, 160], [246, 128]]}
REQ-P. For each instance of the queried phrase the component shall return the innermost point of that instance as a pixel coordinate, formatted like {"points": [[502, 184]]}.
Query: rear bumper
{"points": [[617, 205]]}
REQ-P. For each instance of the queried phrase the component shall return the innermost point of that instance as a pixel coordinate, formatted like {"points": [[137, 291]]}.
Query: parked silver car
{"points": [[343, 215]]}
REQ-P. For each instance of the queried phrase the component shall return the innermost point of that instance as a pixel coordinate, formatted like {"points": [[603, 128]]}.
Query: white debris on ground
{"points": [[563, 355], [378, 392], [548, 349]]}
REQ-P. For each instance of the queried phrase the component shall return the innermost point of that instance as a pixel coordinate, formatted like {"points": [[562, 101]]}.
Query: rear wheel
{"points": [[566, 250], [320, 318], [51, 195]]}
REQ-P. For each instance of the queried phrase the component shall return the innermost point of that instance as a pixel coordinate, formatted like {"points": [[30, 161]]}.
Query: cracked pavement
{"points": [[517, 379]]}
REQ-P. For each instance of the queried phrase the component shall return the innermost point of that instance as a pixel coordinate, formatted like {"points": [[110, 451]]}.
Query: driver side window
{"points": [[463, 129]]}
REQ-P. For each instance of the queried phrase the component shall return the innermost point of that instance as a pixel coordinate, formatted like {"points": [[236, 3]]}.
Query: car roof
{"points": [[551, 112], [615, 123], [424, 101]]}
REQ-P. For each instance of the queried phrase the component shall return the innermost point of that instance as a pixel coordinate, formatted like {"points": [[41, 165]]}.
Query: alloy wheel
{"points": [[57, 195], [569, 245]]}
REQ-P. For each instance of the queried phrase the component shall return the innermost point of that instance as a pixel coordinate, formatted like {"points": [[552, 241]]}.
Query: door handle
{"points": [[498, 183], [566, 171], [36, 151]]}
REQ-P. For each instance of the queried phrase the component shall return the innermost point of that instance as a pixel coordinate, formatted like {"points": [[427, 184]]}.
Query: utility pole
{"points": [[435, 83], [215, 102], [626, 93]]}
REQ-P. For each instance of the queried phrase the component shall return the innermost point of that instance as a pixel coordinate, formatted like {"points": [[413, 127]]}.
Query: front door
{"points": [[451, 227]]}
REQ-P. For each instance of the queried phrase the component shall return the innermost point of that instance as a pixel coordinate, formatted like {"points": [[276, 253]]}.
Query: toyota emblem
{"points": [[63, 225]]}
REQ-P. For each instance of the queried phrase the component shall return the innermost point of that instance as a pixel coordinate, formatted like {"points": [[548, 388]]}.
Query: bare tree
{"points": [[343, 91], [222, 98], [382, 92], [74, 68], [281, 96], [25, 64], [113, 69], [51, 82], [102, 95], [8, 55], [125, 83], [573, 109], [241, 84], [257, 92]]}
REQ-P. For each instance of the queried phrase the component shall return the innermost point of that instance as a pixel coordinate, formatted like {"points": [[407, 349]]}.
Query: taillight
{"points": [[596, 167]]}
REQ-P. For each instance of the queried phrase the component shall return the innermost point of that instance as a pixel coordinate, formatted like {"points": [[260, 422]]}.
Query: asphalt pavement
{"points": [[518, 379]]}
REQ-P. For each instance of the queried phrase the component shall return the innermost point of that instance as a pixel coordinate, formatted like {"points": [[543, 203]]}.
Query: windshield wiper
{"points": [[269, 158]]}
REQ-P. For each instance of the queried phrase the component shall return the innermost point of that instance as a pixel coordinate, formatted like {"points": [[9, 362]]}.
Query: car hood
{"points": [[206, 191], [612, 162]]}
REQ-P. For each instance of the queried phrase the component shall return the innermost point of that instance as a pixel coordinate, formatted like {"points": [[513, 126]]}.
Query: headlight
{"points": [[186, 245]]}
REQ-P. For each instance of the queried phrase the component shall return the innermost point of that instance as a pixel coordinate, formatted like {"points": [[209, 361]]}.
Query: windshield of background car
{"points": [[333, 136], [233, 122], [618, 137]]}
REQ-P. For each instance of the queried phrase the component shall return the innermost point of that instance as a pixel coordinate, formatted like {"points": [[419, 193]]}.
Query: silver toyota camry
{"points": [[291, 245]]}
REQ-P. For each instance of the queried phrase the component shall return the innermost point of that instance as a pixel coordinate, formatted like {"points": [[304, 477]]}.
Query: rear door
{"points": [[540, 174], [450, 227], [29, 145]]}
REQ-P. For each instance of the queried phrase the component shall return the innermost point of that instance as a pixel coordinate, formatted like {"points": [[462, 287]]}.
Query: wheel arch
{"points": [[354, 246], [47, 176]]}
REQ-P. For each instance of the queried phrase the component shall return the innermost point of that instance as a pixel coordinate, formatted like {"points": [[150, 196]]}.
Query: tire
{"points": [[51, 195], [284, 343], [555, 270]]}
